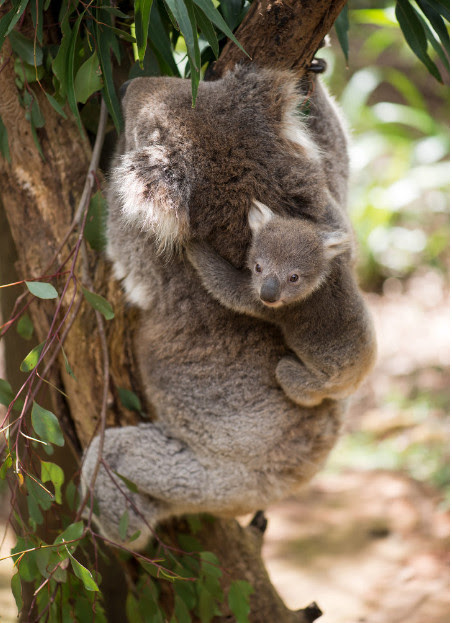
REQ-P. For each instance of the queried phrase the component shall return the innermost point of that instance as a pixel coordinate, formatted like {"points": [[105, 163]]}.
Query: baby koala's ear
{"points": [[258, 216], [335, 243]]}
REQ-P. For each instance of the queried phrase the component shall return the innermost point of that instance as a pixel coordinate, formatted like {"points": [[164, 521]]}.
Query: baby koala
{"points": [[300, 278]]}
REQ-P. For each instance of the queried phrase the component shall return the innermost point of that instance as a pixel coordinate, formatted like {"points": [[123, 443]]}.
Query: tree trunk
{"points": [[40, 197]]}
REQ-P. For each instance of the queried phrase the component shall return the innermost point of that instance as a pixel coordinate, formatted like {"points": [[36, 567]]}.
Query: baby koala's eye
{"points": [[294, 278], [258, 268]]}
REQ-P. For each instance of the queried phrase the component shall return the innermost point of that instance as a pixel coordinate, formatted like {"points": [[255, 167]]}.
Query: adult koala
{"points": [[226, 440]]}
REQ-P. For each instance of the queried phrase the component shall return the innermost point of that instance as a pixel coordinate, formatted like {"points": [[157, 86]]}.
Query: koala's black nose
{"points": [[270, 289]]}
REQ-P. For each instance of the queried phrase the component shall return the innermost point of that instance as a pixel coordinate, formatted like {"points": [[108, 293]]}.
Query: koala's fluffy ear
{"points": [[335, 243], [258, 216]]}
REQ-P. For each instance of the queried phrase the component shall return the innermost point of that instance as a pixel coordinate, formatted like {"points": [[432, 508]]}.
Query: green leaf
{"points": [[25, 48], [94, 231], [142, 10], [413, 31], [442, 7], [4, 145], [28, 73], [206, 605], [88, 79], [9, 20], [436, 21], [105, 40], [233, 12], [56, 105], [7, 463], [180, 13], [46, 425], [59, 65], [70, 82], [160, 43], [239, 600], [16, 588], [6, 393], [42, 290], [186, 592], [181, 613], [25, 327], [42, 496], [195, 77], [71, 495], [38, 121], [53, 473], [67, 366], [341, 26], [132, 610], [129, 399], [207, 30], [98, 303], [214, 16], [83, 574], [73, 532], [123, 525], [35, 516], [129, 484], [31, 360]]}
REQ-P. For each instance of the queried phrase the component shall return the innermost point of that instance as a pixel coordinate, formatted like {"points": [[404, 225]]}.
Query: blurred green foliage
{"points": [[399, 150]]}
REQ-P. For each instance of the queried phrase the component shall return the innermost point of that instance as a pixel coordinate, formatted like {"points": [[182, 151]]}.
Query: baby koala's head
{"points": [[289, 257]]}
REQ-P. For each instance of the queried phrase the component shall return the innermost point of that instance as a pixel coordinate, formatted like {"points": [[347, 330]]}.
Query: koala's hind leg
{"points": [[301, 385], [166, 478]]}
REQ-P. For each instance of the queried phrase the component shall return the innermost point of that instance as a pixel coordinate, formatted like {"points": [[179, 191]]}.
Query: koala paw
{"points": [[297, 382]]}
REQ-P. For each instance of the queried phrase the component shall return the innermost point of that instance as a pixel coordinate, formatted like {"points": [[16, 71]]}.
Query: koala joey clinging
{"points": [[299, 278]]}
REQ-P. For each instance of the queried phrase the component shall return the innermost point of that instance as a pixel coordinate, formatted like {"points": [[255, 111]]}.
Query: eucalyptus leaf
{"points": [[42, 290], [142, 10], [413, 31], [88, 79], [98, 303], [6, 393], [31, 360], [11, 18], [56, 105], [129, 399], [25, 48], [16, 587], [46, 425], [239, 600], [53, 473], [207, 30], [25, 327], [105, 41], [123, 525], [83, 574], [213, 14], [341, 26]]}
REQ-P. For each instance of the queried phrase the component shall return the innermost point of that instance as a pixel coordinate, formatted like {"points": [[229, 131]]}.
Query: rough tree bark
{"points": [[40, 196]]}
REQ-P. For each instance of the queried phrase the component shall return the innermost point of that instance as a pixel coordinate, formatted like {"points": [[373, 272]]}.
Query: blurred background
{"points": [[368, 539]]}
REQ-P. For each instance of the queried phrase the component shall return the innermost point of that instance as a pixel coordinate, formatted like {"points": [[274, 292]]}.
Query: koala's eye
{"points": [[258, 268], [293, 278]]}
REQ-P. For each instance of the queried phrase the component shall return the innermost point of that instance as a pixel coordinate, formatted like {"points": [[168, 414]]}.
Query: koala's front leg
{"points": [[228, 285], [301, 385]]}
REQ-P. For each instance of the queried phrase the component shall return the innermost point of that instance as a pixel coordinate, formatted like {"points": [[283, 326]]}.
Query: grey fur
{"points": [[300, 278], [227, 439]]}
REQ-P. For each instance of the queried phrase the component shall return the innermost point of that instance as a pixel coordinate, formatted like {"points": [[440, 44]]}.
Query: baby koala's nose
{"points": [[270, 289]]}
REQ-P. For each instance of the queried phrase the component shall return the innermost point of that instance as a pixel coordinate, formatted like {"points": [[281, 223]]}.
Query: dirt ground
{"points": [[368, 539]]}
